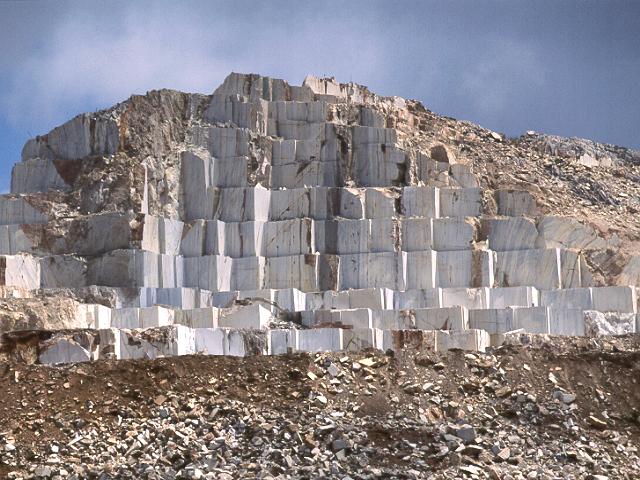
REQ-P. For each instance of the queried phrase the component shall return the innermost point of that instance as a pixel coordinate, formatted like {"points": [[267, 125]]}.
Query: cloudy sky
{"points": [[560, 67]]}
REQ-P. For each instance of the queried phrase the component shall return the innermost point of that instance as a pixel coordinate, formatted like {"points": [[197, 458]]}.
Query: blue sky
{"points": [[559, 67]]}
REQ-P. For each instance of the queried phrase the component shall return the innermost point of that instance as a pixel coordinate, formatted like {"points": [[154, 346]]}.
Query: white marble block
{"points": [[422, 298], [245, 317], [453, 234], [532, 319], [421, 270], [21, 271], [321, 340], [471, 340], [59, 350], [358, 339], [566, 321], [493, 320], [503, 297], [539, 268], [373, 298], [210, 341], [471, 298], [515, 233], [421, 202], [282, 341], [460, 202], [365, 270], [464, 268], [94, 316], [450, 318], [615, 299], [567, 298]]}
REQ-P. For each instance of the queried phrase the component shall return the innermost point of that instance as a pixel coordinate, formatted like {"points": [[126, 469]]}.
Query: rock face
{"points": [[268, 218]]}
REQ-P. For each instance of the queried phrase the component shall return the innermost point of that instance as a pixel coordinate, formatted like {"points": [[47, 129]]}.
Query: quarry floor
{"points": [[509, 413]]}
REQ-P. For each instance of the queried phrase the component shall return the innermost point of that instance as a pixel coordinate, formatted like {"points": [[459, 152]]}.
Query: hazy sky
{"points": [[560, 67]]}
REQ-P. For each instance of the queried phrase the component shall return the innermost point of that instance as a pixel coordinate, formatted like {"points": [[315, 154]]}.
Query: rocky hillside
{"points": [[278, 281]]}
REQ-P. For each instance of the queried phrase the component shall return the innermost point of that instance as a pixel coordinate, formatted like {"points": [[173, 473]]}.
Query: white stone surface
{"points": [[532, 319], [22, 271], [453, 234], [245, 317], [503, 297], [460, 202], [124, 268], [493, 320], [352, 203], [128, 318], [422, 298], [248, 273], [36, 175], [291, 299], [360, 318], [94, 316], [321, 340], [373, 298], [14, 240], [615, 299], [450, 318], [571, 298], [515, 233], [393, 319], [358, 339], [156, 317], [472, 340], [82, 136], [464, 268], [381, 203], [210, 272], [568, 233], [539, 268], [206, 317], [210, 341], [16, 209], [421, 202], [421, 270], [297, 271], [470, 298], [282, 341], [566, 321], [62, 350], [417, 234], [365, 270]]}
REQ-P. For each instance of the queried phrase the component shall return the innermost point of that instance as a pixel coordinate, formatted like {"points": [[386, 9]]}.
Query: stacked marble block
{"points": [[400, 252], [241, 322], [297, 215], [147, 333]]}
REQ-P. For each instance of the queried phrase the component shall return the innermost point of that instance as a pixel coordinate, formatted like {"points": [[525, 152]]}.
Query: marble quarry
{"points": [[268, 219]]}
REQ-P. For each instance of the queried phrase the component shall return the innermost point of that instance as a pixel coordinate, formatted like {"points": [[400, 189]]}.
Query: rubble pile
{"points": [[561, 409]]}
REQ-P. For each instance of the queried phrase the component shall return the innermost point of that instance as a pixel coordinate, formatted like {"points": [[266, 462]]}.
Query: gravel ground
{"points": [[553, 408]]}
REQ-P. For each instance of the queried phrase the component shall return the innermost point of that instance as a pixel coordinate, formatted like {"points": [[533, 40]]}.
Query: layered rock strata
{"points": [[269, 218]]}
